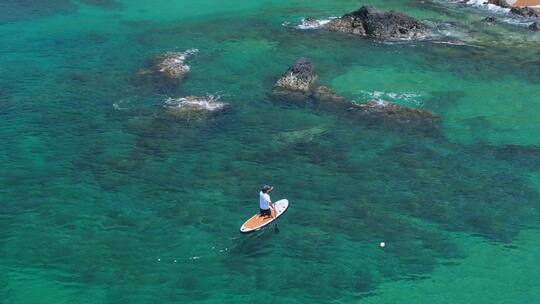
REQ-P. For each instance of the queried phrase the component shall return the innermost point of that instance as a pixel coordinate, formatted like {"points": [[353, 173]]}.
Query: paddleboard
{"points": [[257, 222]]}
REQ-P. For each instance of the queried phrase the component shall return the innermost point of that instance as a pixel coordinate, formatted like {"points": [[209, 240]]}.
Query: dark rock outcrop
{"points": [[535, 26], [525, 12], [194, 107], [299, 82], [368, 21], [388, 111], [501, 3]]}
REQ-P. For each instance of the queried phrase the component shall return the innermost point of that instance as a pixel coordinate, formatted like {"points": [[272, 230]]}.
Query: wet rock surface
{"points": [[298, 83], [173, 64], [164, 72], [535, 26], [370, 22], [300, 77]]}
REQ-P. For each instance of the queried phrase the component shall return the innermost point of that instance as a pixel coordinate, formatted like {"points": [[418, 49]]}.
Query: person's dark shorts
{"points": [[265, 212]]}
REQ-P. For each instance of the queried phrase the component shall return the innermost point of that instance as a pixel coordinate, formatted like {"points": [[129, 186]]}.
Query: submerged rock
{"points": [[109, 4], [370, 22], [381, 109], [535, 26], [490, 19], [299, 82], [194, 106], [327, 95], [300, 136], [525, 12]]}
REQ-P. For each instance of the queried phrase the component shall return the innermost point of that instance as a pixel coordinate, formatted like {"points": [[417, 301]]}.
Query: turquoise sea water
{"points": [[104, 201]]}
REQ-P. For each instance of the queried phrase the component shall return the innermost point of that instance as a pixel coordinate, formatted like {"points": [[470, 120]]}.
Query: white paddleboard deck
{"points": [[257, 221]]}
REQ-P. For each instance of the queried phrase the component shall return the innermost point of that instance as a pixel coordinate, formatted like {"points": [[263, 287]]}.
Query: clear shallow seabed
{"points": [[102, 202]]}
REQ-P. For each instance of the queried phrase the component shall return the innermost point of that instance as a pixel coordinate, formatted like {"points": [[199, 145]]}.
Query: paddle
{"points": [[276, 228]]}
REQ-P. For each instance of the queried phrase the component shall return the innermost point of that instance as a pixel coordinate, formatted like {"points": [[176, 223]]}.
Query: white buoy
{"points": [[382, 244], [175, 261], [159, 260]]}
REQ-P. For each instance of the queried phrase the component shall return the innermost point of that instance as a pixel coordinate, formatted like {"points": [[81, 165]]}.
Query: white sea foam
{"points": [[407, 97], [483, 4], [457, 42], [181, 56], [191, 51], [310, 26], [207, 103], [489, 6], [306, 25], [381, 103]]}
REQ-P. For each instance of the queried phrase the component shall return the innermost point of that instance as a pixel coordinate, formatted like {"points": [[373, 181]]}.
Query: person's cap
{"points": [[266, 188]]}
